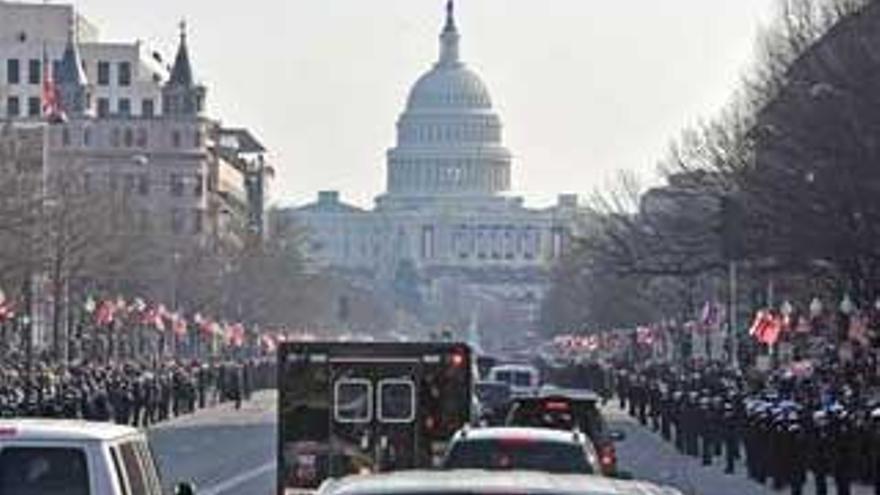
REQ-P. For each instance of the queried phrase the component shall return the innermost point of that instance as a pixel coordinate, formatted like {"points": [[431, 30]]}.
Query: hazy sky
{"points": [[584, 87]]}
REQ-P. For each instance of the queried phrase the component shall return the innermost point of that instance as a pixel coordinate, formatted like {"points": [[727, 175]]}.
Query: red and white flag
{"points": [[178, 324], [52, 108], [105, 313], [858, 330], [766, 328]]}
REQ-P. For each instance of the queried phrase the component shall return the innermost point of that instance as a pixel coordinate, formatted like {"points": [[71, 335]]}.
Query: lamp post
{"points": [[89, 308], [847, 308]]}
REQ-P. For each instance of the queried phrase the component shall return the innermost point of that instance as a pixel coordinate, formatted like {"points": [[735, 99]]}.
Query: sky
{"points": [[585, 88]]}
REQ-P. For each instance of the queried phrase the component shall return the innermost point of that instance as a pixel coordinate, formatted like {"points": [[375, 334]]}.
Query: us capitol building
{"points": [[446, 228]]}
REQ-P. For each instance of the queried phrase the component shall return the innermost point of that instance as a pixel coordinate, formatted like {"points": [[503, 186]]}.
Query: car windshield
{"points": [[515, 454], [493, 393]]}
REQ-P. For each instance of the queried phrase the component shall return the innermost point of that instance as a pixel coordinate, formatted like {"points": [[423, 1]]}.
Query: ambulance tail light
{"points": [[457, 359]]}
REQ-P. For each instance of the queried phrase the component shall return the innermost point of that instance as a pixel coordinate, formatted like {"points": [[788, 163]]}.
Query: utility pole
{"points": [[732, 334], [733, 250]]}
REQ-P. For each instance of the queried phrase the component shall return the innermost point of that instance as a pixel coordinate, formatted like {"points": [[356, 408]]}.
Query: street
{"points": [[222, 450], [229, 452]]}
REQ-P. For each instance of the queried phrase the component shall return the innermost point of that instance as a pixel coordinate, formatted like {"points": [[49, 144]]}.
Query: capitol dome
{"points": [[448, 137], [449, 87]]}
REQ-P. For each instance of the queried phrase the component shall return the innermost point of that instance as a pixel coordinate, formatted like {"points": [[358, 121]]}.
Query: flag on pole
{"points": [[178, 324], [105, 313], [766, 327], [711, 316], [52, 110], [858, 330]]}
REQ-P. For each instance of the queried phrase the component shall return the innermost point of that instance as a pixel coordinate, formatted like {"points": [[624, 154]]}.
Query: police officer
{"points": [[874, 435], [841, 447]]}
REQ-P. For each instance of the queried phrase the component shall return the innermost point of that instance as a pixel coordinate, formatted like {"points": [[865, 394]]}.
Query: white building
{"points": [[446, 211], [135, 131], [125, 78]]}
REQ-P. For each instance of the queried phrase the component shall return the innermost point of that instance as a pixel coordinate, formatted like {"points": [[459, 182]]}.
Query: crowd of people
{"points": [[785, 426], [131, 392]]}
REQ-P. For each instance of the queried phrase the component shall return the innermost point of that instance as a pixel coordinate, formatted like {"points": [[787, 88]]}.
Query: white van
{"points": [[62, 457], [524, 380]]}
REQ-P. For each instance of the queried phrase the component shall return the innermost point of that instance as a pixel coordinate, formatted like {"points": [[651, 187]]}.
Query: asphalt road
{"points": [[222, 450], [230, 452]]}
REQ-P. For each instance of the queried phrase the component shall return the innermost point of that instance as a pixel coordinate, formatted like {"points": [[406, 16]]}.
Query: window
{"points": [[428, 241], [34, 109], [142, 138], [42, 470], [197, 139], [128, 185], [13, 74], [124, 74], [117, 468], [176, 185], [353, 400], [13, 108], [397, 401], [145, 223], [65, 137], [197, 221], [177, 220], [34, 71], [87, 182], [115, 136], [144, 184], [197, 187], [128, 137], [553, 457], [103, 107], [148, 108], [87, 137], [103, 73], [124, 106], [137, 482], [175, 139]]}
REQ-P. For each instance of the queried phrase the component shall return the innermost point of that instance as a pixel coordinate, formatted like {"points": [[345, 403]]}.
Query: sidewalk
{"points": [[647, 456], [260, 409]]}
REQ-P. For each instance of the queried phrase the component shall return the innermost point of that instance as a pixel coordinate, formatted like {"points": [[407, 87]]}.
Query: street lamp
{"points": [[787, 309], [847, 306]]}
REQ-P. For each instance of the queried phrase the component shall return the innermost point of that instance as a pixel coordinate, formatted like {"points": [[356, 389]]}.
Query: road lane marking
{"points": [[238, 479]]}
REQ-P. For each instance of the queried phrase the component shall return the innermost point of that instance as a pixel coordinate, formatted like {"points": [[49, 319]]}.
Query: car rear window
{"points": [[43, 471], [522, 379], [527, 454], [583, 415]]}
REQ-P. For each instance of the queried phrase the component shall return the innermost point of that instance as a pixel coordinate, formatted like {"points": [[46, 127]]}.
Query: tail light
{"points": [[608, 459], [556, 405], [457, 360]]}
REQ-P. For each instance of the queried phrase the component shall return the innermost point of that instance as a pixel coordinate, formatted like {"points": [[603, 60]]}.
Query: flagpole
{"points": [[731, 317]]}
